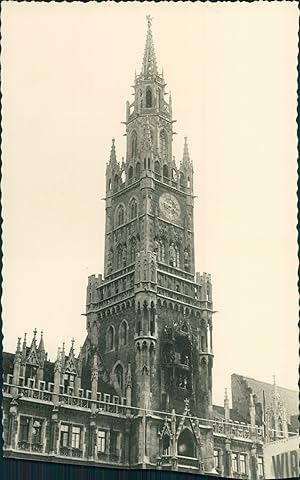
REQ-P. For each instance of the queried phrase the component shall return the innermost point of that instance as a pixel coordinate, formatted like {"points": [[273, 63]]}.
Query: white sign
{"points": [[281, 458]]}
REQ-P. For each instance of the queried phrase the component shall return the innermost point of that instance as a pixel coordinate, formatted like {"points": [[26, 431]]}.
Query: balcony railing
{"points": [[30, 447], [70, 452]]}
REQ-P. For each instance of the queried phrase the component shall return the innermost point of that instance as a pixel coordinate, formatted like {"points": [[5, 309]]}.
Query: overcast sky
{"points": [[231, 68]]}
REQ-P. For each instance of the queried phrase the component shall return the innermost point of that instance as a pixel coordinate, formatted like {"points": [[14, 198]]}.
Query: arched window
{"points": [[157, 167], [138, 170], [116, 182], [130, 173], [119, 375], [148, 97], [181, 179], [152, 319], [132, 250], [186, 444], [123, 177], [165, 171], [161, 251], [188, 182], [110, 338], [120, 215], [163, 146], [133, 144], [123, 333], [119, 256], [133, 209]]}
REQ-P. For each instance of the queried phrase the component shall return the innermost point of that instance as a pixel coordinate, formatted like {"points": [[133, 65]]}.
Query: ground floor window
{"points": [[217, 455], [113, 444], [242, 463], [234, 458], [260, 467], [70, 436], [30, 433], [101, 441]]}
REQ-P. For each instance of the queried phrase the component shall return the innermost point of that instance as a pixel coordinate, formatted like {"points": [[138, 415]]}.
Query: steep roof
{"points": [[219, 413], [7, 363], [288, 397]]}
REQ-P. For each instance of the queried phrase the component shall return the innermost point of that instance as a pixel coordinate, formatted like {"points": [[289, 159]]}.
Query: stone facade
{"points": [[139, 393]]}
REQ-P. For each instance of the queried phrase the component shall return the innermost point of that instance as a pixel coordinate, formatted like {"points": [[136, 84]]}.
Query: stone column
{"points": [[53, 431], [92, 437], [13, 411]]}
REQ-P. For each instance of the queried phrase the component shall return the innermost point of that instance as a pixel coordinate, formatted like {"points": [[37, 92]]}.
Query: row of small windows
{"points": [[163, 143], [111, 339]]}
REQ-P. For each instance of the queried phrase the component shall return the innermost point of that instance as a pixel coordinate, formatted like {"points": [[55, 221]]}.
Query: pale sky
{"points": [[231, 67]]}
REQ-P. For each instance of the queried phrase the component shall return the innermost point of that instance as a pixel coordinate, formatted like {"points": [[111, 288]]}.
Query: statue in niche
{"points": [[189, 221], [172, 253]]}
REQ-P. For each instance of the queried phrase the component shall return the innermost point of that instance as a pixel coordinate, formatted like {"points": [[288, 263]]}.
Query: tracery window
{"points": [[119, 375], [133, 209], [123, 333], [110, 338], [120, 215], [133, 144]]}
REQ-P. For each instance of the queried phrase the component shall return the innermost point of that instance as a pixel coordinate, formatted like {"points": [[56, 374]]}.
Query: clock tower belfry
{"points": [[150, 318]]}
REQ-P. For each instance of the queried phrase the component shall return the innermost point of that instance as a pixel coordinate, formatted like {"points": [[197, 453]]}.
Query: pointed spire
{"points": [[18, 350], [72, 347], [113, 157], [186, 155], [149, 62], [226, 406], [34, 337], [41, 344]]}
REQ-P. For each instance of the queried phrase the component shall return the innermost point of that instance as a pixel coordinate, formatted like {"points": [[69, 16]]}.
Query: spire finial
{"points": [[113, 157], [34, 333], [149, 20], [149, 62], [18, 345], [226, 393], [41, 344]]}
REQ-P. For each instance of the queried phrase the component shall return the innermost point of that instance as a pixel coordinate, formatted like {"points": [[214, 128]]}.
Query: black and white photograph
{"points": [[150, 257]]}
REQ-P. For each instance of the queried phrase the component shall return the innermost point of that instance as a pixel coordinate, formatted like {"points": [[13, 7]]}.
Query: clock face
{"points": [[169, 206]]}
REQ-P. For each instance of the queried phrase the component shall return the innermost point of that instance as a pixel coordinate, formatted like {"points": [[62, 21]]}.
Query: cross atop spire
{"points": [[149, 62]]}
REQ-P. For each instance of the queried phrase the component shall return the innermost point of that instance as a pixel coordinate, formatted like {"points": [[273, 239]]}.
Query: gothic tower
{"points": [[149, 320]]}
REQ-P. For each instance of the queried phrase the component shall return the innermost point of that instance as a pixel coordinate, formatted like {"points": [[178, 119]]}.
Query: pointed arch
{"points": [[132, 250], [138, 170], [165, 171], [110, 338], [148, 97], [130, 172], [119, 256], [133, 144], [123, 333], [157, 167], [132, 209], [161, 251], [120, 217], [119, 373], [186, 446], [166, 444]]}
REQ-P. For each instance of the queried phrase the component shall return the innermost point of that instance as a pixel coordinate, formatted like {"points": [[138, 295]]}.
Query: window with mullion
{"points": [[101, 441], [24, 429], [242, 463], [64, 435], [234, 457], [75, 438]]}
